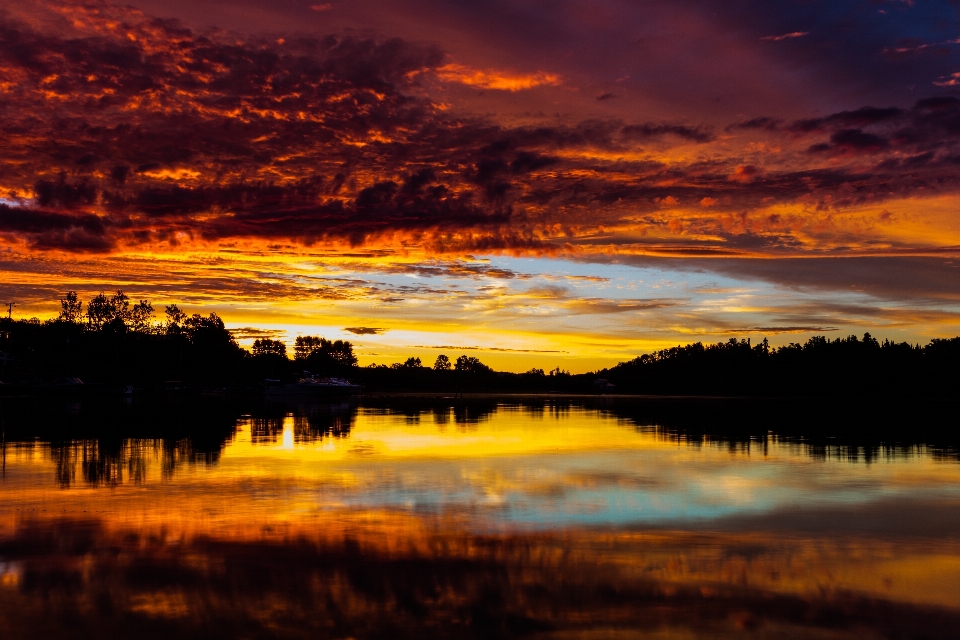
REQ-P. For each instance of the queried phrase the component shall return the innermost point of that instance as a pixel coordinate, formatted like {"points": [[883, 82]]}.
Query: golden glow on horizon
{"points": [[517, 320]]}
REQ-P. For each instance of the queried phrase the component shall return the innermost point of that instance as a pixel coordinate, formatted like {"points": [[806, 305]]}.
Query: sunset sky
{"points": [[540, 183]]}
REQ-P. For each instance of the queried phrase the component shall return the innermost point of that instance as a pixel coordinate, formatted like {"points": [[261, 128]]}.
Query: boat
{"points": [[313, 387], [68, 387]]}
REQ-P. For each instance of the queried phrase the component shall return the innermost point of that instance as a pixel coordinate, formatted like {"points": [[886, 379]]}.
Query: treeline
{"points": [[818, 368], [114, 341], [111, 340]]}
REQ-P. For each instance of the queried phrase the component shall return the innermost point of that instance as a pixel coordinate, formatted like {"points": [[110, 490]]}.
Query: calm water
{"points": [[559, 520]]}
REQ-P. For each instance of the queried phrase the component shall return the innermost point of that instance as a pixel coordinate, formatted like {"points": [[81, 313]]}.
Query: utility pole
{"points": [[10, 306]]}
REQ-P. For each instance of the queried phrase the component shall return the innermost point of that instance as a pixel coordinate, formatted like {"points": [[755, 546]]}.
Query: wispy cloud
{"points": [[500, 349], [253, 333], [365, 331], [786, 36], [952, 80], [779, 330]]}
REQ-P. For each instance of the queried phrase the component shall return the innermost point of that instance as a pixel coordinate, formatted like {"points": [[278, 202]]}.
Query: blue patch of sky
{"points": [[627, 281]]}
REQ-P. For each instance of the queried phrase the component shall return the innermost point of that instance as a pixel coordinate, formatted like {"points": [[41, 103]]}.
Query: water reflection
{"points": [[581, 584], [464, 415], [110, 443], [854, 429], [310, 422], [432, 517], [111, 462]]}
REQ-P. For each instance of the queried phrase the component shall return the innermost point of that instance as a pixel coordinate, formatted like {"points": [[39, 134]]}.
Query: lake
{"points": [[543, 518]]}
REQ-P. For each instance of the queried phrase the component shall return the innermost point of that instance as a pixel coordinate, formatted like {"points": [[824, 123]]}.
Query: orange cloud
{"points": [[496, 79]]}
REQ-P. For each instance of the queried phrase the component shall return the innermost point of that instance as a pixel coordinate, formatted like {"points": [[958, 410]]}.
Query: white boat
{"points": [[313, 387]]}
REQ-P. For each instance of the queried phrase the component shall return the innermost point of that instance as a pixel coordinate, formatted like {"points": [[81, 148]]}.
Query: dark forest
{"points": [[113, 344]]}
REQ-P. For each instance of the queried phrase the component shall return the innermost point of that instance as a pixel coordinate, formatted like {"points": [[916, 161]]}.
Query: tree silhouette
{"points": [[100, 311], [411, 363], [71, 308], [469, 364], [140, 316], [320, 354], [265, 347], [442, 363], [115, 310], [303, 346]]}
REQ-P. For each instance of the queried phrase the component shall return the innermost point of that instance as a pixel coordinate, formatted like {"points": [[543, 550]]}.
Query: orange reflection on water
{"points": [[373, 582], [500, 522]]}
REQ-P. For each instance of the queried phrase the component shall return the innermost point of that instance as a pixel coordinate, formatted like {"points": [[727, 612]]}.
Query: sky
{"points": [[535, 183]]}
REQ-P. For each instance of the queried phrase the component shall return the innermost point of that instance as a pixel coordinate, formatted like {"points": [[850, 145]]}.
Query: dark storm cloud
{"points": [[641, 132], [846, 119], [43, 229], [851, 141], [380, 208], [763, 123], [931, 124]]}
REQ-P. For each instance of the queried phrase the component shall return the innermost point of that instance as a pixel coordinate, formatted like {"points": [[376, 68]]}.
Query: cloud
{"points": [[862, 117], [644, 131], [44, 229], [851, 141], [590, 306], [786, 36], [926, 280], [932, 123], [442, 269], [780, 330], [496, 79], [952, 80], [365, 331], [764, 123], [252, 333], [160, 138], [499, 349], [910, 47]]}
